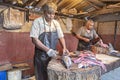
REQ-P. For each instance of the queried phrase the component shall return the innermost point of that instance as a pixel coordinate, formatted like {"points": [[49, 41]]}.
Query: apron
{"points": [[82, 45], [41, 59]]}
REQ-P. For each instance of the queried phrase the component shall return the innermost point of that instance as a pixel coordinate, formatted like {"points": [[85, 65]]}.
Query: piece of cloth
{"points": [[82, 45], [86, 59], [38, 27], [41, 59]]}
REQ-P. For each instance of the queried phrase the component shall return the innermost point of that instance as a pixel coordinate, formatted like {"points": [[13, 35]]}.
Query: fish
{"points": [[66, 60]]}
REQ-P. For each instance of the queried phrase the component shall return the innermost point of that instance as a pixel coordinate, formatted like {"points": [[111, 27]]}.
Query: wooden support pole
{"points": [[115, 34]]}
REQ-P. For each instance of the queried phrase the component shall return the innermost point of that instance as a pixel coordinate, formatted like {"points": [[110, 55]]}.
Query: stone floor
{"points": [[112, 75]]}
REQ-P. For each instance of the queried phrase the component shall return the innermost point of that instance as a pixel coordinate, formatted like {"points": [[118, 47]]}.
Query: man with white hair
{"points": [[45, 32], [86, 34]]}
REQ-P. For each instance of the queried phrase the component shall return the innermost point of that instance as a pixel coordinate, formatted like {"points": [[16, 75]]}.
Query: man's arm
{"points": [[39, 44], [62, 41], [82, 38]]}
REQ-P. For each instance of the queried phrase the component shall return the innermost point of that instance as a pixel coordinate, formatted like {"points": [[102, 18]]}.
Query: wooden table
{"points": [[56, 70]]}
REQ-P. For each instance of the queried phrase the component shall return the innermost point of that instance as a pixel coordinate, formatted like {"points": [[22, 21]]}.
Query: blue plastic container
{"points": [[3, 75]]}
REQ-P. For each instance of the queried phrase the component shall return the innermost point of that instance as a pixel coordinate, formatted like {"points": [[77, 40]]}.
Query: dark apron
{"points": [[82, 45], [41, 59]]}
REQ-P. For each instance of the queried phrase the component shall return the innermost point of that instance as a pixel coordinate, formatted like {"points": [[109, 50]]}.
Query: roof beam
{"points": [[110, 0], [92, 4], [73, 4], [16, 7], [28, 2], [103, 11], [70, 16], [107, 2], [114, 6], [41, 3], [97, 2]]}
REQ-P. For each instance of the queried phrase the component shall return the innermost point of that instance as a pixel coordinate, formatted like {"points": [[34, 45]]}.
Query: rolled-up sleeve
{"points": [[35, 29]]}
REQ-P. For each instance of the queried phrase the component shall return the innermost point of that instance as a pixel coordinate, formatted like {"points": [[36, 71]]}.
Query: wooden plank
{"points": [[81, 6], [5, 66], [103, 11], [73, 4], [110, 0], [41, 3], [21, 66], [106, 17], [28, 2], [97, 7], [62, 4], [16, 7], [114, 6], [97, 2]]}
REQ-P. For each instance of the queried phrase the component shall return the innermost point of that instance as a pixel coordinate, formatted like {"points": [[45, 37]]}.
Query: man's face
{"points": [[90, 25], [49, 15]]}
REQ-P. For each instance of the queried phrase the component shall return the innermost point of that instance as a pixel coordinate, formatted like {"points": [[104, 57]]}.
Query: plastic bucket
{"points": [[14, 74], [3, 75]]}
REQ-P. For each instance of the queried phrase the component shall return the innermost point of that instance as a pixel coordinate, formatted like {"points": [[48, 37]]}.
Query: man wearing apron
{"points": [[85, 34], [45, 32]]}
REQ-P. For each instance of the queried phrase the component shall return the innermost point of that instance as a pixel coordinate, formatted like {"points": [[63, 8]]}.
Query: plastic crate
{"points": [[3, 75]]}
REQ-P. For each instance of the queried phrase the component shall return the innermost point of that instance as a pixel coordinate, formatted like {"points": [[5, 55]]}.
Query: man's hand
{"points": [[52, 53], [65, 51], [103, 45], [82, 38], [86, 40]]}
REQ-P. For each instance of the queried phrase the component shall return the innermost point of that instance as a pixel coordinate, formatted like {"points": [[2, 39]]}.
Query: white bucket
{"points": [[14, 74]]}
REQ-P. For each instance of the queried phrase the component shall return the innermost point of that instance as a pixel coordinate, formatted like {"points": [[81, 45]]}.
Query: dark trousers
{"points": [[40, 65]]}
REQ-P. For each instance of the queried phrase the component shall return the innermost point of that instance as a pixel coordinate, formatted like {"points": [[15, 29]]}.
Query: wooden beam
{"points": [[28, 3], [81, 5], [70, 16], [114, 6], [9, 5], [41, 3], [103, 11], [73, 4], [59, 1], [110, 0], [92, 4], [35, 3], [62, 4], [55, 1], [106, 17], [5, 65], [97, 2]]}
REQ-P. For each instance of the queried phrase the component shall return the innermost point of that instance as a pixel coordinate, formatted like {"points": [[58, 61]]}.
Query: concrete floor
{"points": [[31, 78], [112, 75]]}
